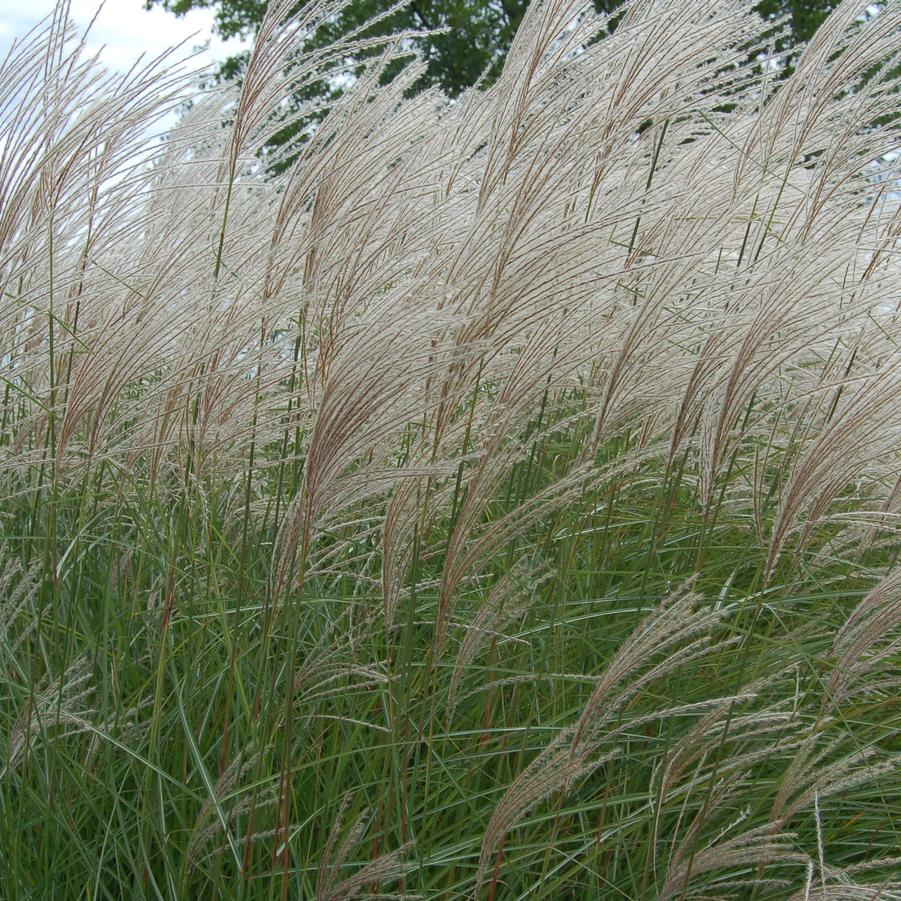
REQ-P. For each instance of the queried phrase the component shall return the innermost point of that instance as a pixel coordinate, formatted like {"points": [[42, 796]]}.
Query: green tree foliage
{"points": [[477, 36]]}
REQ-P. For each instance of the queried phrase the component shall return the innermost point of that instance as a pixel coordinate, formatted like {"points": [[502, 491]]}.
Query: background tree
{"points": [[478, 32]]}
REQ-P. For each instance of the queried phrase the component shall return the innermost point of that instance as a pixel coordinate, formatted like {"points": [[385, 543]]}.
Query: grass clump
{"points": [[501, 501]]}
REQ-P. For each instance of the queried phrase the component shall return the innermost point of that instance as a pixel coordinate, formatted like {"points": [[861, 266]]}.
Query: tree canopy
{"points": [[478, 32]]}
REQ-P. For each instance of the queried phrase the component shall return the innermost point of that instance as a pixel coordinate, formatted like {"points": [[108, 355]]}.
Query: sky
{"points": [[124, 28]]}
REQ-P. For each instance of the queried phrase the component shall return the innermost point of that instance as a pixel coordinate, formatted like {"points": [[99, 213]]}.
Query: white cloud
{"points": [[124, 29]]}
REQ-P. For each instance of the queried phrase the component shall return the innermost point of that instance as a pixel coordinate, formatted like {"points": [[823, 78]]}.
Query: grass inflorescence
{"points": [[495, 498]]}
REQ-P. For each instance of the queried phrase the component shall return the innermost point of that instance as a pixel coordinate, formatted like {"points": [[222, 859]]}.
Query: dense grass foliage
{"points": [[500, 501]]}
